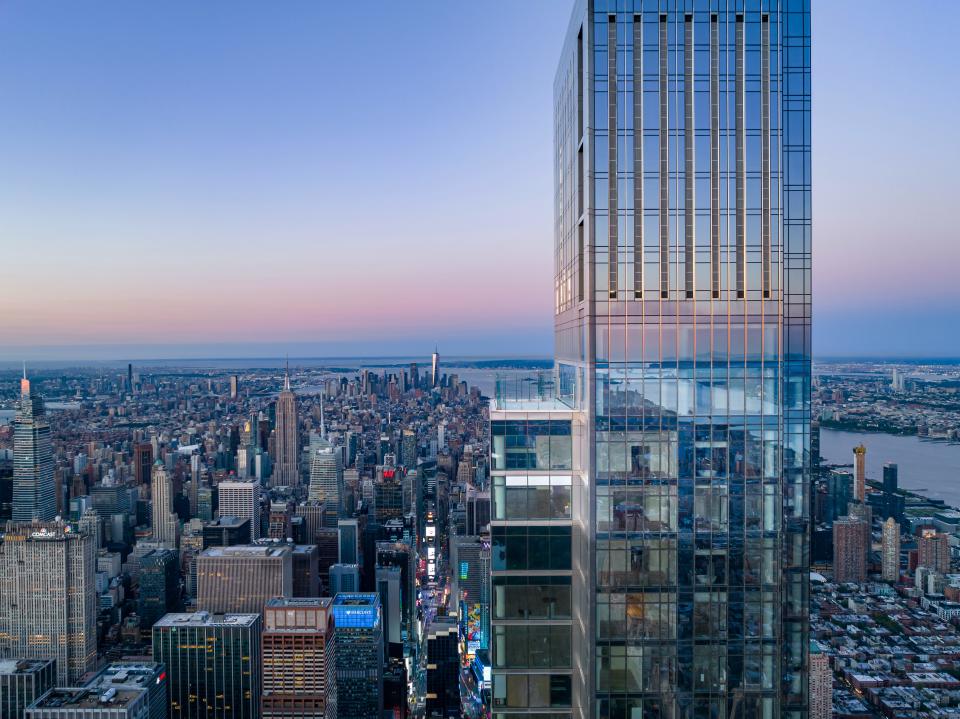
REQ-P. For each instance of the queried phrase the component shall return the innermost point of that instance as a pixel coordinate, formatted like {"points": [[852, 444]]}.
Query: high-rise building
{"points": [[933, 551], [349, 541], [343, 578], [241, 498], [159, 586], [234, 386], [166, 525], [355, 657], [849, 552], [326, 474], [48, 597], [860, 473], [241, 579], [821, 684], [226, 532], [435, 368], [287, 469], [408, 448], [294, 658], [682, 335], [34, 491], [389, 581], [443, 670], [142, 462], [213, 664], [891, 550], [22, 681]]}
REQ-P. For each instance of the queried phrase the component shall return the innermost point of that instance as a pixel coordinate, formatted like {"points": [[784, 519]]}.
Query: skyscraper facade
{"points": [[682, 337], [166, 526], [241, 498], [891, 550], [241, 579], [294, 658], [48, 597], [849, 550], [34, 491], [212, 662], [860, 473], [287, 469], [355, 657]]}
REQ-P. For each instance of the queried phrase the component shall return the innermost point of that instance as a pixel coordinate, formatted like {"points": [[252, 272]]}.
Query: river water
{"points": [[928, 468]]}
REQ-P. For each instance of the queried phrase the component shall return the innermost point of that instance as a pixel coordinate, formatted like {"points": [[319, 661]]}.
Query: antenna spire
{"points": [[286, 376]]}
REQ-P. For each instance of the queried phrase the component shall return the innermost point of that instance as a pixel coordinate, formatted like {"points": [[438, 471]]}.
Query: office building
{"points": [[682, 291], [48, 597], [234, 386], [933, 551], [166, 525], [860, 473], [150, 677], [849, 550], [287, 470], [142, 463], [34, 491], [241, 579], [435, 368], [226, 532], [294, 658], [159, 586], [241, 498], [22, 681], [891, 550], [355, 657], [212, 662], [443, 670], [343, 578], [821, 684], [326, 474], [389, 581], [349, 541]]}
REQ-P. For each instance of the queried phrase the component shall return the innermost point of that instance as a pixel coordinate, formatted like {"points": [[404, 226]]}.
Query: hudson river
{"points": [[928, 468]]}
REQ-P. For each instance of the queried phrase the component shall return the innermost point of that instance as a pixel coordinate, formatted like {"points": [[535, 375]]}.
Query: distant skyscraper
{"points": [[241, 579], [159, 586], [933, 551], [166, 525], [860, 473], [326, 474], [891, 550], [234, 386], [48, 599], [241, 498], [355, 657], [821, 684], [213, 664], [34, 491], [294, 658], [849, 552], [142, 462], [287, 469], [435, 368]]}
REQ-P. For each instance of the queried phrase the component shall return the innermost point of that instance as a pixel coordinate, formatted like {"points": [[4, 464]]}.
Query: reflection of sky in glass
{"points": [[180, 173]]}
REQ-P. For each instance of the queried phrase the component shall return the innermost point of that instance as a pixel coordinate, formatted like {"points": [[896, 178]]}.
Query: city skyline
{"points": [[186, 142]]}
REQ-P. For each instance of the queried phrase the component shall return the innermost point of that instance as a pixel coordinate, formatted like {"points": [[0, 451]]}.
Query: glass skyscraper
{"points": [[682, 298], [34, 491]]}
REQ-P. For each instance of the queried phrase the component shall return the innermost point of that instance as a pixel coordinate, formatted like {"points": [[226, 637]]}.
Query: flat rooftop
{"points": [[246, 550], [206, 619], [87, 698], [298, 602], [23, 666]]}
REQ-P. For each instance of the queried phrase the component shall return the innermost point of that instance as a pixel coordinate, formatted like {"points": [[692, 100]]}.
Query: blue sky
{"points": [[185, 177]]}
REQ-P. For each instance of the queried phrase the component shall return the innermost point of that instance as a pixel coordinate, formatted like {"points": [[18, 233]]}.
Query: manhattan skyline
{"points": [[169, 172]]}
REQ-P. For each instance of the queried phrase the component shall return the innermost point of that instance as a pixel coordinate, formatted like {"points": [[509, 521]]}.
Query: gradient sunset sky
{"points": [[235, 178]]}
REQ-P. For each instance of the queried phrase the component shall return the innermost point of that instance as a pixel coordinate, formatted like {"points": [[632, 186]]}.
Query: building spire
{"points": [[24, 383], [286, 376]]}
